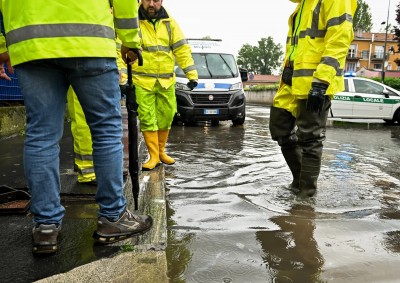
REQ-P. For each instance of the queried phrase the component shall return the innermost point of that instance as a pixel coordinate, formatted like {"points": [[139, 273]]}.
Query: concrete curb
{"points": [[147, 263], [127, 267]]}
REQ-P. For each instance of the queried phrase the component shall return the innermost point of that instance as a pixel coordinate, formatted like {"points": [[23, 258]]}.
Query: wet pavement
{"points": [[231, 217], [76, 245]]}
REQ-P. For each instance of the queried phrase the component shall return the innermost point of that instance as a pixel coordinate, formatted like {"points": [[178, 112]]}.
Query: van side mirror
{"points": [[244, 74]]}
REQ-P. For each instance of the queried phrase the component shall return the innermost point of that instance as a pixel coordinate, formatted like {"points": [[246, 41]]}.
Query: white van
{"points": [[219, 95]]}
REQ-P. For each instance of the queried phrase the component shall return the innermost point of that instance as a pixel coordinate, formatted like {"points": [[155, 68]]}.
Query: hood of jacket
{"points": [[162, 14]]}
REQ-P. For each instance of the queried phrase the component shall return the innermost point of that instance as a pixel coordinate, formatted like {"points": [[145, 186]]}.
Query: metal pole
{"points": [[384, 46]]}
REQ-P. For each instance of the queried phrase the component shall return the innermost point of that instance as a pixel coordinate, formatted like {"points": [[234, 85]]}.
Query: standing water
{"points": [[231, 217]]}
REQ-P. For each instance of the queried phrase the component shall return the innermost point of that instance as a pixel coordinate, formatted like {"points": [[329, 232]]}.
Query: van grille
{"points": [[218, 98]]}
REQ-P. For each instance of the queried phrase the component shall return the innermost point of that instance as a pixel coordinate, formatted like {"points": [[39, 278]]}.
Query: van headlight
{"points": [[236, 86], [181, 86]]}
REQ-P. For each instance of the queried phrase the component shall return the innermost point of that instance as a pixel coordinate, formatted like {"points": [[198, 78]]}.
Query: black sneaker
{"points": [[126, 226], [45, 238]]}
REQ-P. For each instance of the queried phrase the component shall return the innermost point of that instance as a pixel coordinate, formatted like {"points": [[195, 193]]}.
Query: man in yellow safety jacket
{"points": [[53, 45], [320, 32], [162, 42]]}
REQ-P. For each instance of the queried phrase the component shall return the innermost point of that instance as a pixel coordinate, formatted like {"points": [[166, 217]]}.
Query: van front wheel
{"points": [[239, 121]]}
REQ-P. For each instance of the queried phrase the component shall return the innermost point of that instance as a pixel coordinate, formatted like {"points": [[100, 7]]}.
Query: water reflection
{"points": [[291, 253], [395, 134], [178, 253], [230, 182]]}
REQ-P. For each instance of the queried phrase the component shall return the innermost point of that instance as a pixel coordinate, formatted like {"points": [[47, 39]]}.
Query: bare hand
{"points": [[4, 58], [127, 53]]}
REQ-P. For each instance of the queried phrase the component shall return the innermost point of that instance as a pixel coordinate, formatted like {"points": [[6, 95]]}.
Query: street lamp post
{"points": [[384, 46]]}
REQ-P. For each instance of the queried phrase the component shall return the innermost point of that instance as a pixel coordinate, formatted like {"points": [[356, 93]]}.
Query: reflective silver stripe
{"points": [[339, 20], [314, 32], [157, 48], [126, 23], [59, 30], [169, 32], [303, 73], [310, 72], [189, 68], [179, 44], [86, 171], [330, 61], [84, 157], [288, 39], [169, 75]]}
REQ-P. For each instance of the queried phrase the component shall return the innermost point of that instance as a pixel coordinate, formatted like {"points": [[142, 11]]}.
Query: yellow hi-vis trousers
{"points": [[83, 157]]}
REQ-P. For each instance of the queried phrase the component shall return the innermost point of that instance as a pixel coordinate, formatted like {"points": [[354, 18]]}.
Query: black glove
{"points": [[138, 53], [191, 84], [316, 97]]}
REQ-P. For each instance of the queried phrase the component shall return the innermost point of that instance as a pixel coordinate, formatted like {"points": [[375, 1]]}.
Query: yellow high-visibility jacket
{"points": [[161, 45], [64, 29], [320, 44]]}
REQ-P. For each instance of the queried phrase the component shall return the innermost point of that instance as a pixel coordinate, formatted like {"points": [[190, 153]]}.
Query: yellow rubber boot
{"points": [[162, 140], [151, 139]]}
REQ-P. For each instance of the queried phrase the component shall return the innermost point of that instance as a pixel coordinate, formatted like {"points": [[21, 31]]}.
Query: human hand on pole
{"points": [[130, 55]]}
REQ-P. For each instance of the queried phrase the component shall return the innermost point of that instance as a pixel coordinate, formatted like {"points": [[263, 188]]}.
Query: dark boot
{"points": [[311, 134], [309, 176], [282, 128], [292, 156]]}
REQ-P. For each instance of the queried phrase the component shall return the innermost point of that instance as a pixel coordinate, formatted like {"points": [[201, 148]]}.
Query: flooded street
{"points": [[231, 217]]}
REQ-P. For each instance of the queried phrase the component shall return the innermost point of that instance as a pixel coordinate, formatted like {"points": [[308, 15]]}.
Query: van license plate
{"points": [[211, 111]]}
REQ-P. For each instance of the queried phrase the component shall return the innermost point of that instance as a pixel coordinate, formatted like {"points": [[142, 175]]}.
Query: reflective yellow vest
{"points": [[63, 29], [160, 48], [321, 43]]}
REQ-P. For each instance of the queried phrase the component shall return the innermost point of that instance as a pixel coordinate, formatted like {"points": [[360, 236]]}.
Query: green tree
{"points": [[262, 59], [362, 18], [247, 57]]}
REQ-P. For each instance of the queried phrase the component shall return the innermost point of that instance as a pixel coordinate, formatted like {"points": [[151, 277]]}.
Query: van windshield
{"points": [[211, 66]]}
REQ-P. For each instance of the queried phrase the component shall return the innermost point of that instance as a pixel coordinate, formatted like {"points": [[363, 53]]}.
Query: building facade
{"points": [[366, 52]]}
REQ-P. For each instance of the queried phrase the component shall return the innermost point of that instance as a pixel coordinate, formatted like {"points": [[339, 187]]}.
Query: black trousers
{"points": [[301, 141]]}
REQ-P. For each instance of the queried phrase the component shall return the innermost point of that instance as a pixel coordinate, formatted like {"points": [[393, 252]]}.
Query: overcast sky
{"points": [[240, 22]]}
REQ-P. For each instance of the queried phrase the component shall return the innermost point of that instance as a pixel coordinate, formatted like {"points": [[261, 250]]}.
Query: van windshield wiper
{"points": [[208, 69], [226, 63]]}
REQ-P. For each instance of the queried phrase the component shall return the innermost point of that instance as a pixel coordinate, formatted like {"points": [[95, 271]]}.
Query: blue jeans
{"points": [[44, 85]]}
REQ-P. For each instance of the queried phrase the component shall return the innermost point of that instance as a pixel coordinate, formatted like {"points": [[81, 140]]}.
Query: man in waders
{"points": [[320, 32]]}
